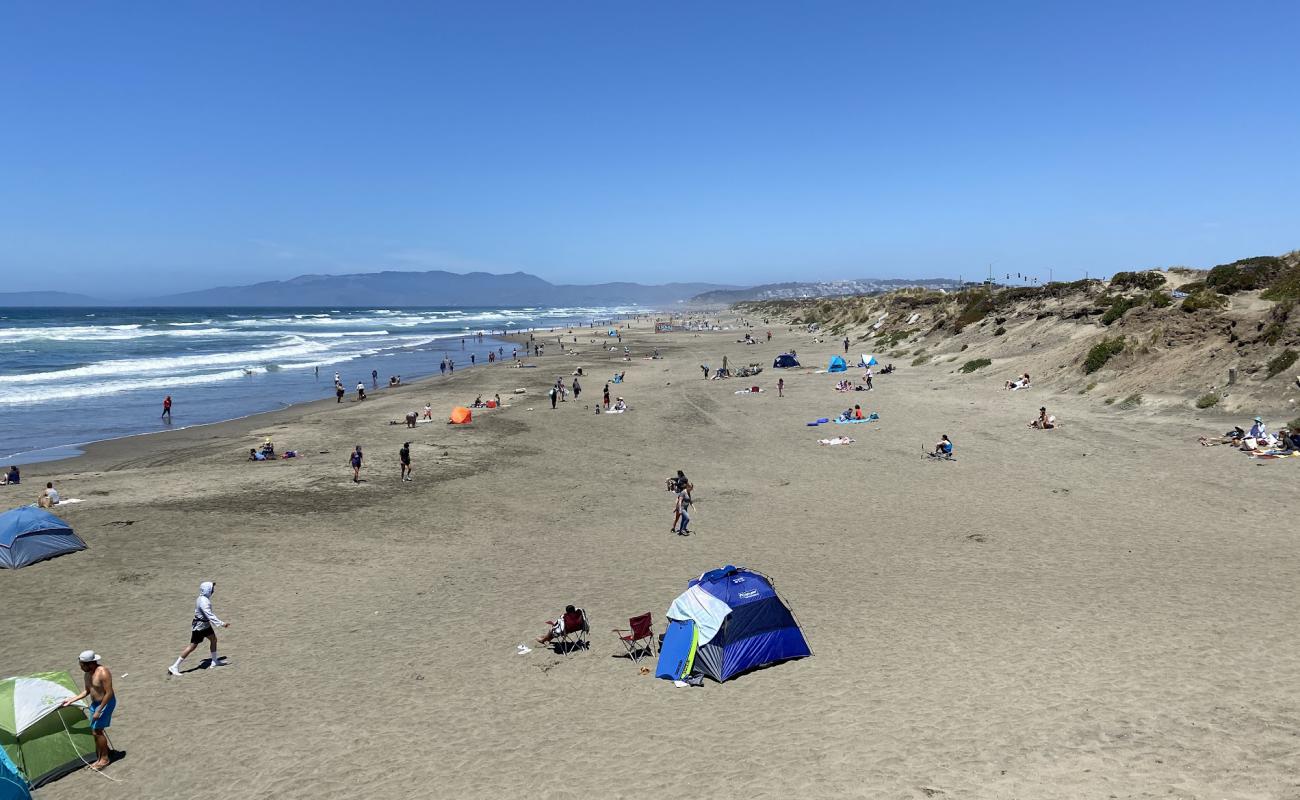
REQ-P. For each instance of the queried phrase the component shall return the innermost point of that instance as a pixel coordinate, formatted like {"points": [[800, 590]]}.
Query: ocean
{"points": [[71, 376]]}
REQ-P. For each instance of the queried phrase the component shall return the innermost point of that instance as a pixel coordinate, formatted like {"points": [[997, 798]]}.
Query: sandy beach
{"points": [[1102, 610]]}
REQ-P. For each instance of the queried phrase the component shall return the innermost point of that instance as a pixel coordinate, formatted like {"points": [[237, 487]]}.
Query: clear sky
{"points": [[148, 147]]}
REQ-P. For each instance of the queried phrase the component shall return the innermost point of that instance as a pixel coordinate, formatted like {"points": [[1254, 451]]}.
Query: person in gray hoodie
{"points": [[204, 626]]}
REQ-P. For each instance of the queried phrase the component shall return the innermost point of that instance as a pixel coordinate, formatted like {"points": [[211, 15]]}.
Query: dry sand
{"points": [[1104, 610]]}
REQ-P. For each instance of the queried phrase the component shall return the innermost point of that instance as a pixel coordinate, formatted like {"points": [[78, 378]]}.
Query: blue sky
{"points": [[149, 147]]}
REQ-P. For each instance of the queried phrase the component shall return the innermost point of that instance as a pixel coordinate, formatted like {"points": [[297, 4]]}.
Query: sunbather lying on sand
{"points": [[1019, 383], [1233, 437]]}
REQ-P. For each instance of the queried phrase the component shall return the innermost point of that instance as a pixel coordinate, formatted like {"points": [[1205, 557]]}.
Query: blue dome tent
{"points": [[867, 360], [837, 364], [728, 621], [784, 361], [30, 534]]}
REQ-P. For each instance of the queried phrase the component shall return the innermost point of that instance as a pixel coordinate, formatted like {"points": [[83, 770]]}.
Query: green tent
{"points": [[44, 741]]}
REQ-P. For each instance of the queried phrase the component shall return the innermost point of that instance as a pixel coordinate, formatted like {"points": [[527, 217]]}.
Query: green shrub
{"points": [[1160, 299], [1207, 400], [1248, 273], [1202, 300], [921, 359], [1282, 361], [1286, 285], [1131, 402], [1102, 352], [963, 347], [1137, 280], [1192, 288], [978, 306], [1117, 309], [974, 364], [1110, 401], [1000, 331], [887, 340]]}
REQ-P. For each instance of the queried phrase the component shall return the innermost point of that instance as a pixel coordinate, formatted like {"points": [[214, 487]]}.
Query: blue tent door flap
{"points": [[677, 653], [836, 365]]}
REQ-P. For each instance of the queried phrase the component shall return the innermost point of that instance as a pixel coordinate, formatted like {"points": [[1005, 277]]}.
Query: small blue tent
{"points": [[30, 534], [12, 784], [837, 364], [784, 361], [867, 360], [728, 621]]}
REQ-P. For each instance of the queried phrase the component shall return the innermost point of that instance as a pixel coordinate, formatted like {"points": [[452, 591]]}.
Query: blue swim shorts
{"points": [[106, 718]]}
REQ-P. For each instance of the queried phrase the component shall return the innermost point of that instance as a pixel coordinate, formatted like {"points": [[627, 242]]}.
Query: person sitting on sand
{"points": [[49, 498], [1258, 430], [1044, 421], [572, 616], [12, 477], [943, 448], [619, 406], [253, 455], [1019, 383], [857, 411]]}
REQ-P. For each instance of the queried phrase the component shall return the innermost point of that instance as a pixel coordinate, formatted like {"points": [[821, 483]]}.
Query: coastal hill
{"points": [[433, 288], [806, 289], [1226, 339]]}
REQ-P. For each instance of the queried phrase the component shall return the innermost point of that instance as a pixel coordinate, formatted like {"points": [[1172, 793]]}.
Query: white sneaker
{"points": [[213, 664], [172, 670]]}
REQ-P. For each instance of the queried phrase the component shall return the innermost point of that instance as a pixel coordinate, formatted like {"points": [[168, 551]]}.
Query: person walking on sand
{"points": [[339, 392], [404, 455], [99, 687], [167, 408], [577, 389], [554, 395], [682, 512], [203, 626], [355, 461], [442, 367], [846, 345], [606, 396], [780, 387]]}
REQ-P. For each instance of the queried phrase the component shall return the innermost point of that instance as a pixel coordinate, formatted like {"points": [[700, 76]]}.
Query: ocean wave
{"points": [[99, 389]]}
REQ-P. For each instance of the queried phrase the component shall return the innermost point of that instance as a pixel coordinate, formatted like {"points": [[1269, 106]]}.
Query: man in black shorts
{"points": [[203, 627], [405, 456]]}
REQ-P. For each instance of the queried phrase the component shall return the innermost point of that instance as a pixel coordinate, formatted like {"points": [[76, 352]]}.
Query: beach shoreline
{"points": [[1055, 614]]}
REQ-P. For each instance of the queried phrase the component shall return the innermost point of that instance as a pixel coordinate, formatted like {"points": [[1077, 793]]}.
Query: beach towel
{"points": [[874, 416], [836, 440]]}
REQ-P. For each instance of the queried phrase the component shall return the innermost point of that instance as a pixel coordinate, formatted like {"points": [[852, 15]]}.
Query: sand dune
{"points": [[1104, 610]]}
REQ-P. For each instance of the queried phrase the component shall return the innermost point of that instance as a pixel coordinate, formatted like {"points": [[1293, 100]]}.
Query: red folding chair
{"points": [[573, 633], [640, 637]]}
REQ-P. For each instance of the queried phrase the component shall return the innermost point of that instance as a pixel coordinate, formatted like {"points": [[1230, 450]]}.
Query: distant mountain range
{"points": [[439, 288], [788, 291], [433, 288]]}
